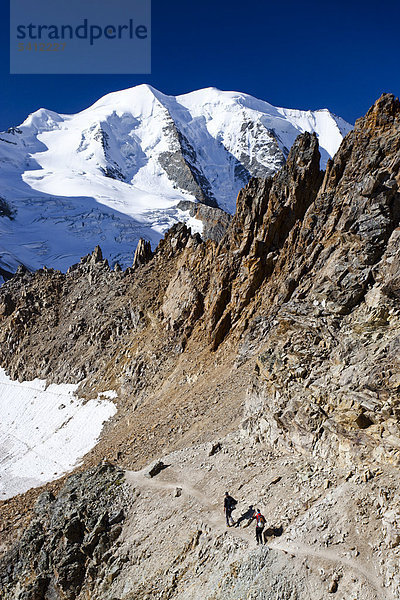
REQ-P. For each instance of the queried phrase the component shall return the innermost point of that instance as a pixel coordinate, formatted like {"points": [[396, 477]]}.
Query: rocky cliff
{"points": [[265, 363]]}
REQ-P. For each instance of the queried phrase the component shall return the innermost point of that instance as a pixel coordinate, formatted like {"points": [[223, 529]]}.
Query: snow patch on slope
{"points": [[44, 432]]}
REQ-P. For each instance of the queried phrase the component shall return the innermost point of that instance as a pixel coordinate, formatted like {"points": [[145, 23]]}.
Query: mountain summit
{"points": [[118, 170]]}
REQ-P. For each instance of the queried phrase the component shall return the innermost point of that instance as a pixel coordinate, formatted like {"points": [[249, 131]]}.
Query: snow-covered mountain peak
{"points": [[137, 101], [41, 120], [117, 170]]}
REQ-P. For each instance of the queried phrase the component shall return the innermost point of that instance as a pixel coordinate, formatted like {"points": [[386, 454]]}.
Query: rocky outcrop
{"points": [[72, 539], [143, 254], [215, 221], [5, 209]]}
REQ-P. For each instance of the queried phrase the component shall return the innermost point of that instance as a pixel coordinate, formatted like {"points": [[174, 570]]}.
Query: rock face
{"points": [[215, 221], [267, 212], [71, 539], [328, 367], [292, 317]]}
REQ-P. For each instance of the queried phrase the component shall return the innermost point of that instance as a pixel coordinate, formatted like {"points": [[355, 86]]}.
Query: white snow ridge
{"points": [[117, 171], [45, 431]]}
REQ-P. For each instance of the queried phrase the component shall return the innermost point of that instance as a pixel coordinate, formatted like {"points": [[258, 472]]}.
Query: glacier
{"points": [[118, 170]]}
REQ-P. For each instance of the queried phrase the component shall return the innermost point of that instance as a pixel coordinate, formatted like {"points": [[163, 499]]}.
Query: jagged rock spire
{"points": [[143, 254], [97, 255]]}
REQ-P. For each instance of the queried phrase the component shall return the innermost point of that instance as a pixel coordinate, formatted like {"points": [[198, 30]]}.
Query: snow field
{"points": [[44, 432]]}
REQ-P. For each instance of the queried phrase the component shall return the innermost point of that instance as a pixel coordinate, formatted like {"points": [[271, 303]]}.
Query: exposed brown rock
{"points": [[143, 254], [215, 221]]}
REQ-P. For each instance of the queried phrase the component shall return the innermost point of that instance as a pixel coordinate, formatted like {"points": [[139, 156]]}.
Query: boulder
{"points": [[155, 468]]}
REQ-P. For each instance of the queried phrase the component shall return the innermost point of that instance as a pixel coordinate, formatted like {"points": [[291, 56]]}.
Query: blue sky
{"points": [[339, 55]]}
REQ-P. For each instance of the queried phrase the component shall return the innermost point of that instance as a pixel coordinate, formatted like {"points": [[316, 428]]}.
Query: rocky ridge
{"points": [[281, 341]]}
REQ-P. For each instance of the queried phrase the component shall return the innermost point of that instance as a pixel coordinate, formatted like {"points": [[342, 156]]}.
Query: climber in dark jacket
{"points": [[229, 505]]}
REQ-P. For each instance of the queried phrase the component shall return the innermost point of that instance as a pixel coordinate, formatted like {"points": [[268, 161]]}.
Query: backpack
{"points": [[260, 520]]}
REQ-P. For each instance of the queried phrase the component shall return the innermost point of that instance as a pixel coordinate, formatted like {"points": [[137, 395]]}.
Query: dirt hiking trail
{"points": [[213, 515]]}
